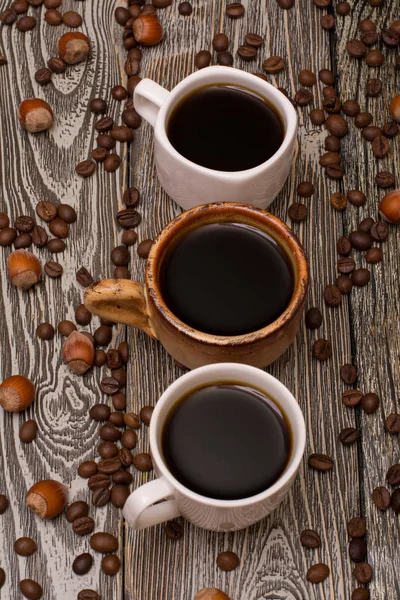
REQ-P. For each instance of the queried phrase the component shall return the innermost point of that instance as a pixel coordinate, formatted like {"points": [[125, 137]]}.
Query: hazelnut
{"points": [[389, 207], [35, 115], [73, 47], [78, 353], [23, 269], [394, 108], [16, 393], [211, 594], [147, 30], [47, 498]]}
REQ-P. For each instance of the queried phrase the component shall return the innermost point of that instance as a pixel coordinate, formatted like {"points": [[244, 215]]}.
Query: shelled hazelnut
{"points": [[78, 353], [23, 269], [35, 115], [73, 47], [147, 30], [389, 207], [16, 393], [47, 498]]}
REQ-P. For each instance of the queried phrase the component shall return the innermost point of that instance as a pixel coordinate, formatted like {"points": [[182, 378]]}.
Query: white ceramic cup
{"points": [[190, 184], [166, 498]]}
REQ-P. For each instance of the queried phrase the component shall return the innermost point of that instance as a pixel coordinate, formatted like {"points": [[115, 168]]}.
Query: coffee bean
{"points": [[103, 335], [297, 212], [380, 146], [228, 561], [317, 116], [385, 179], [334, 172], [371, 132], [103, 542], [381, 499], [390, 38], [24, 224], [392, 423], [345, 265], [356, 527], [253, 39], [123, 477], [343, 8], [3, 503], [379, 231], [111, 563], [87, 469], [105, 141], [143, 462], [366, 224], [343, 246], [348, 374], [146, 412], [99, 481], [360, 277], [109, 386], [66, 328], [366, 25], [132, 83], [313, 319], [351, 108], [349, 435], [322, 350], [56, 246], [326, 77], [374, 58], [25, 546], [357, 550], [26, 24], [128, 218], [53, 269], [220, 42], [109, 465], [336, 125], [107, 449], [360, 240], [344, 284], [390, 129], [274, 64], [363, 573], [225, 58], [56, 65], [101, 497], [109, 433], [117, 419], [100, 412], [369, 38], [121, 15], [119, 401], [329, 158], [393, 475], [338, 200], [305, 189], [320, 462], [317, 573], [310, 539], [120, 256], [43, 76], [83, 277], [351, 398], [307, 78], [370, 403], [39, 237], [8, 17], [72, 19], [121, 273], [85, 168], [66, 213], [83, 525], [303, 97], [144, 248], [247, 52], [202, 59], [28, 587], [104, 124], [119, 495], [82, 564], [374, 87], [286, 4], [360, 594], [112, 163], [24, 240], [235, 10], [356, 48], [88, 595], [4, 220], [332, 295], [82, 315], [2, 572], [356, 197], [100, 359], [28, 431], [76, 510], [395, 501]]}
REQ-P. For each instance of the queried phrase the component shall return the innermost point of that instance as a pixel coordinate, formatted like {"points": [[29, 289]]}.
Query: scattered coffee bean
{"points": [[374, 87], [334, 172], [103, 542], [374, 58], [24, 240], [360, 594], [332, 143], [297, 212], [348, 374], [225, 58], [253, 39], [109, 433], [343, 246], [322, 350], [356, 197], [146, 413], [363, 573], [351, 108], [371, 132], [119, 93], [3, 503], [366, 224], [381, 499], [320, 462], [53, 269], [393, 475], [104, 124], [103, 335], [104, 140], [100, 412], [88, 595], [336, 125], [357, 527], [326, 77], [128, 218], [332, 295], [66, 328], [25, 546], [56, 246], [385, 179], [329, 158], [363, 119], [119, 495], [390, 129], [310, 539], [39, 237], [317, 116], [356, 48], [343, 9], [307, 78], [28, 431], [357, 550], [24, 224], [286, 4], [379, 231], [328, 22], [99, 481], [228, 561], [392, 423], [125, 456], [109, 466], [247, 52], [302, 97], [112, 163], [360, 240], [28, 587], [370, 403], [43, 76], [351, 398], [111, 563], [100, 358], [235, 10], [82, 564], [305, 189], [313, 319], [345, 265], [117, 419], [360, 277], [144, 248], [395, 501], [107, 449], [26, 23], [83, 277], [338, 200], [202, 59], [380, 146], [87, 469], [83, 525], [274, 64], [109, 386], [220, 42], [101, 497], [120, 256], [76, 510], [85, 168], [317, 573], [143, 462], [344, 284], [349, 435], [56, 65]]}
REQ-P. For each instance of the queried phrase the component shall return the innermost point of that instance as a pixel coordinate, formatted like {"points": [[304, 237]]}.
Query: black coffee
{"points": [[226, 279], [225, 128], [226, 441]]}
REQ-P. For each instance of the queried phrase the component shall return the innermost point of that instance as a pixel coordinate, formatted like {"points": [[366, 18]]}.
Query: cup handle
{"points": [[148, 99], [138, 509], [121, 301]]}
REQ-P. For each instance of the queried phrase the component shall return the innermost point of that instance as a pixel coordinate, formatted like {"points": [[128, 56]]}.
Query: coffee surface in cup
{"points": [[226, 441], [226, 279], [225, 128]]}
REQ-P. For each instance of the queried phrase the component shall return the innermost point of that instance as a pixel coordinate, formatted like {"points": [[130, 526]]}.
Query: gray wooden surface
{"points": [[364, 329]]}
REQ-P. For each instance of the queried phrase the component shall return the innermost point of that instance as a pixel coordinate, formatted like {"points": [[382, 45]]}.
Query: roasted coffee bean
{"points": [[119, 401], [363, 573], [144, 248], [26, 23], [357, 550], [322, 350], [370, 403], [336, 125], [129, 237], [122, 133], [109, 386], [101, 497], [285, 4], [360, 277], [114, 360], [393, 475], [125, 456], [303, 97], [66, 327], [111, 563], [338, 200], [344, 284], [128, 218], [56, 65], [390, 38], [202, 59], [331, 102], [356, 48], [4, 220], [159, 3], [228, 561], [307, 78], [332, 295], [317, 116], [99, 481], [363, 119], [380, 146], [85, 168], [334, 172], [349, 435], [253, 39], [8, 17], [395, 501], [121, 15], [112, 163], [129, 439], [345, 265], [348, 374], [320, 462], [100, 359], [82, 315], [66, 213], [123, 477], [379, 231], [390, 129], [369, 38], [72, 19], [28, 587], [185, 9], [392, 423], [310, 539], [121, 273], [56, 245], [371, 132], [305, 189], [82, 564], [103, 542], [53, 269], [374, 58], [104, 140], [385, 179], [143, 462], [351, 398], [53, 17], [131, 197], [146, 413], [220, 42], [132, 83], [109, 465], [343, 246], [83, 525], [100, 412], [24, 240], [374, 87], [381, 499], [317, 573], [247, 52], [119, 495], [88, 595], [28, 431], [343, 9], [83, 277], [235, 10], [360, 240], [326, 77], [39, 237], [366, 224], [117, 419], [107, 449], [109, 433], [297, 212], [313, 318], [76, 510], [225, 58], [274, 64], [329, 158], [103, 335], [43, 76], [328, 22], [351, 108], [120, 256], [356, 197], [24, 224], [360, 594], [3, 503], [104, 124], [366, 25], [87, 469], [25, 546], [132, 420], [356, 527]]}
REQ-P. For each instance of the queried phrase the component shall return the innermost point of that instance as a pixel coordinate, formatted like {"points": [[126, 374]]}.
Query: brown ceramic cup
{"points": [[142, 305]]}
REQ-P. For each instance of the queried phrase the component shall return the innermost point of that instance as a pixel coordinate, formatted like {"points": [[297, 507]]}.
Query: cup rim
{"points": [[227, 78], [228, 210], [299, 436]]}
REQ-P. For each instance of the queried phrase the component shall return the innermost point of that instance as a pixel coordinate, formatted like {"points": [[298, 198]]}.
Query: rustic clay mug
{"points": [[142, 305]]}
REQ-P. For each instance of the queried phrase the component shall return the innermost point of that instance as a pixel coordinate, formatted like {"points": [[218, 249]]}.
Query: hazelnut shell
{"points": [[394, 108], [35, 115], [147, 30], [389, 207], [23, 269], [16, 393], [73, 47], [47, 498], [78, 353]]}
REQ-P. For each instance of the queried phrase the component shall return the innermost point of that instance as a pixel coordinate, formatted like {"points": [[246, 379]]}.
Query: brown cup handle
{"points": [[121, 301]]}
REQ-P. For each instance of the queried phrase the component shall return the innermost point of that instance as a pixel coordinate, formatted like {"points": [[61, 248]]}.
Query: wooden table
{"points": [[363, 330]]}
